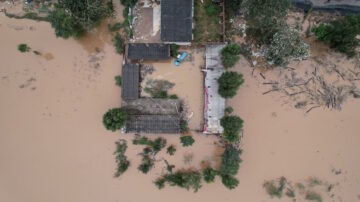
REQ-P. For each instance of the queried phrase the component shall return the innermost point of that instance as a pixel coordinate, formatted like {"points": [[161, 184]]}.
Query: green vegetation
{"points": [[287, 44], [128, 18], [23, 48], [158, 88], [171, 150], [146, 164], [232, 7], [230, 161], [114, 119], [184, 128], [115, 27], [118, 43], [313, 196], [341, 34], [229, 110], [230, 55], [173, 96], [229, 83], [209, 174], [207, 21], [275, 188], [153, 145], [28, 15], [71, 18], [232, 127], [118, 80], [174, 50], [229, 181], [184, 179], [121, 159], [263, 17], [290, 193], [186, 141]]}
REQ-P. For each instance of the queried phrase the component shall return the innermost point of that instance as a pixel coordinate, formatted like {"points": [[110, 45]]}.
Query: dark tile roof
{"points": [[153, 124], [151, 51], [176, 20], [130, 82]]}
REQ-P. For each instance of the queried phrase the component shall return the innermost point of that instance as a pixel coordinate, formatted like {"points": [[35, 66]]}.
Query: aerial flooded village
{"points": [[183, 100]]}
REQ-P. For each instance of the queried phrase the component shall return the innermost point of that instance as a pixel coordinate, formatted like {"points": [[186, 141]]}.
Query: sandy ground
{"points": [[53, 146]]}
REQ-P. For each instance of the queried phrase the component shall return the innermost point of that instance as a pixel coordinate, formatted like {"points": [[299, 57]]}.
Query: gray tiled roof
{"points": [[152, 51], [153, 124], [130, 82], [176, 20]]}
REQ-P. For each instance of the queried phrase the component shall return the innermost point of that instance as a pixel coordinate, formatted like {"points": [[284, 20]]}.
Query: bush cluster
{"points": [[232, 127], [229, 83], [184, 179], [230, 55], [121, 159], [114, 119]]}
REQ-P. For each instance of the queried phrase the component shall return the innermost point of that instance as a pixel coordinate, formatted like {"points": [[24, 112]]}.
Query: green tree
{"points": [[146, 164], [229, 181], [118, 80], [118, 43], [171, 150], [186, 141], [71, 18], [230, 55], [230, 161], [209, 174], [23, 48], [232, 126], [262, 17], [229, 83], [341, 34], [114, 119], [121, 159]]}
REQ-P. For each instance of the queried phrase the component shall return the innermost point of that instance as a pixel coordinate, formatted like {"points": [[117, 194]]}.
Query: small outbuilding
{"points": [[130, 81], [148, 51]]}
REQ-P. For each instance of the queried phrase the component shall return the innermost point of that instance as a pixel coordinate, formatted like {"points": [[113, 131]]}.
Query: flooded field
{"points": [[53, 146]]}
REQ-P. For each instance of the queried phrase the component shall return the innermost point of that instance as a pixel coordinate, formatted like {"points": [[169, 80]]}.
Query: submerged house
{"points": [[130, 77], [148, 115], [177, 21], [214, 103], [148, 51]]}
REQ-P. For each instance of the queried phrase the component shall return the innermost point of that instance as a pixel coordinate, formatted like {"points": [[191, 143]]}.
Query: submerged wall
{"points": [[345, 7]]}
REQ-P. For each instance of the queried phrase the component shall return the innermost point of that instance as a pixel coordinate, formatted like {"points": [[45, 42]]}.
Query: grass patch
{"points": [[207, 22]]}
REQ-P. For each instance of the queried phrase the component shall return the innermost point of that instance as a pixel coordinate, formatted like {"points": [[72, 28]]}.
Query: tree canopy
{"points": [[114, 119], [229, 83], [71, 18], [184, 179], [341, 34], [230, 161], [262, 17], [232, 126], [230, 55]]}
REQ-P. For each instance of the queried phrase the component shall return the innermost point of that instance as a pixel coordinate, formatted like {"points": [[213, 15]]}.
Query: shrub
{"points": [[118, 80], [287, 44], [313, 196], [115, 27], [230, 55], [114, 119], [121, 159], [173, 96], [230, 161], [274, 188], [232, 126], [174, 50], [186, 141], [146, 164], [184, 126], [23, 48], [229, 83], [118, 43], [229, 110], [171, 150], [36, 52], [229, 181], [184, 179], [341, 34], [209, 174], [155, 145]]}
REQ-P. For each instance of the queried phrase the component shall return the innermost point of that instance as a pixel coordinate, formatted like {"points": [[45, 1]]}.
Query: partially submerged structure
{"points": [[214, 103], [148, 115], [148, 51], [130, 82], [177, 21]]}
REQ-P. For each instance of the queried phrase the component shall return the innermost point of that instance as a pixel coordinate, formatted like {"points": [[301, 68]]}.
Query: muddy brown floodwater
{"points": [[53, 146]]}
